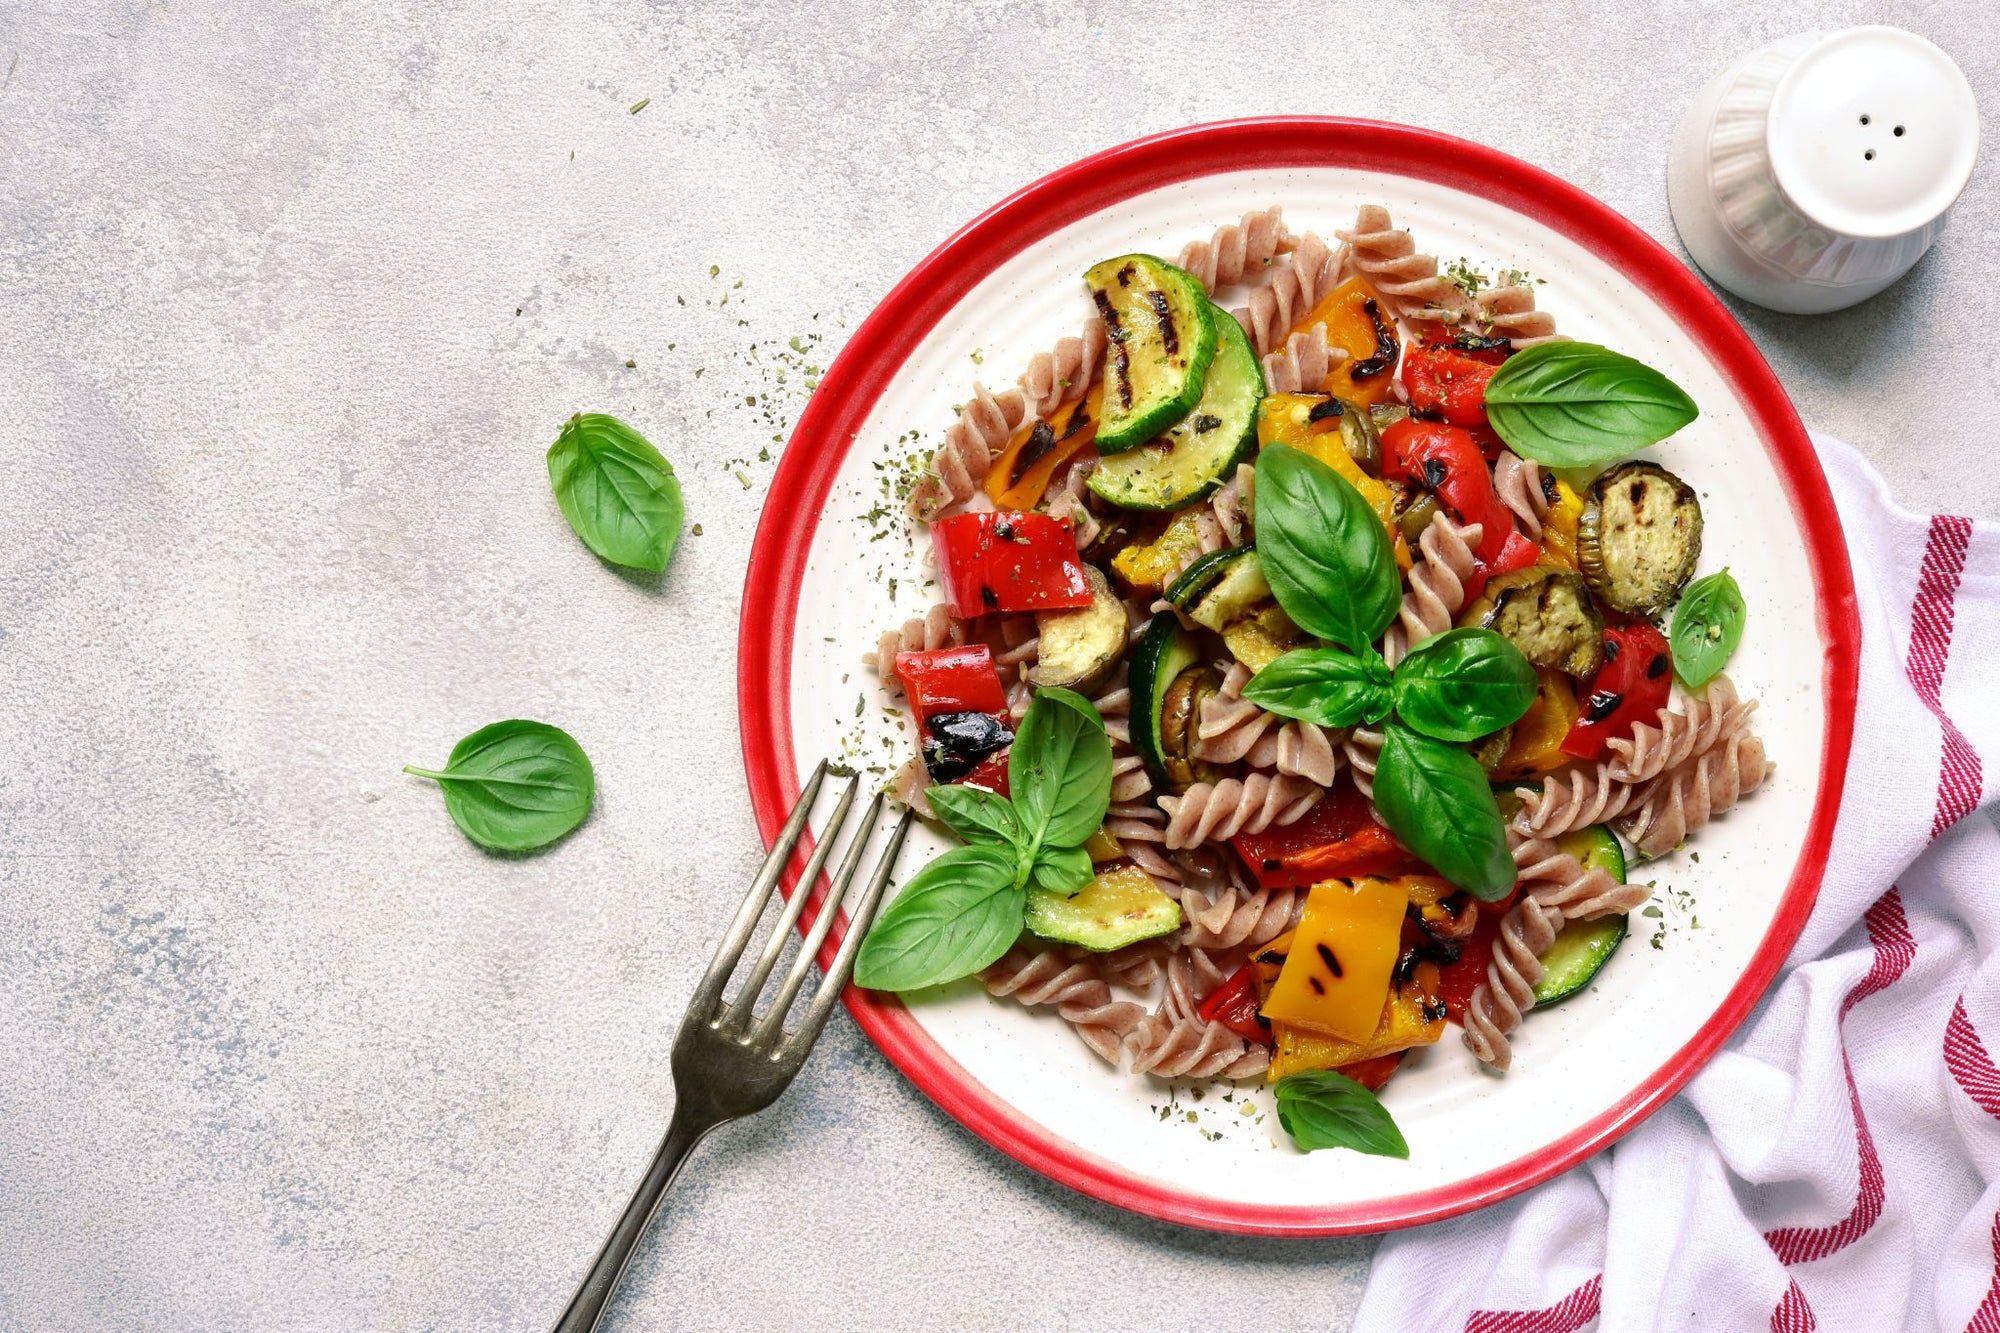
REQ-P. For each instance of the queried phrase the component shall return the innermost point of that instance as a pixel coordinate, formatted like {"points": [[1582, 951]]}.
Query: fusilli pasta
{"points": [[1232, 729], [1521, 485], [1684, 798], [1074, 988], [1066, 373], [935, 629], [1436, 585], [1295, 288], [1239, 252], [985, 423], [1510, 313], [1302, 364], [1250, 804], [1176, 1042], [1408, 281], [1363, 748]]}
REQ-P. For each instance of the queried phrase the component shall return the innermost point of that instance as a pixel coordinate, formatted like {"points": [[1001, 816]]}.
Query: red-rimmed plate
{"points": [[822, 584]]}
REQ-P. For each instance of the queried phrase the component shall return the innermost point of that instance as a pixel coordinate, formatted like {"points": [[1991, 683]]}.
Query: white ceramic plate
{"points": [[820, 591]]}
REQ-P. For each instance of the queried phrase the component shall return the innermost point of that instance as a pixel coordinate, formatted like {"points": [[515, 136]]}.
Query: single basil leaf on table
{"points": [[975, 814], [1325, 686], [616, 490], [1323, 550], [515, 785], [951, 918], [1059, 770], [1708, 624], [1572, 404], [1464, 684], [1064, 870], [1434, 798], [1324, 1109]]}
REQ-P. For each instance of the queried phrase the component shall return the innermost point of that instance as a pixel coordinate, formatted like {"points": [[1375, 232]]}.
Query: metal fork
{"points": [[728, 1062]]}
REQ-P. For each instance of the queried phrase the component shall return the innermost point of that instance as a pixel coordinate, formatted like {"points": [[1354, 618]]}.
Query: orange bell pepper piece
{"points": [[1021, 474], [1358, 324]]}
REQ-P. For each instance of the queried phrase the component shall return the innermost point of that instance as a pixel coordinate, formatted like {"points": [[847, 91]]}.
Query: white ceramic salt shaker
{"points": [[1815, 171]]}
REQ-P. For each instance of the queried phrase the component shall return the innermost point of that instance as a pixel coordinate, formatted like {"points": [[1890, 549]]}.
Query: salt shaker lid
{"points": [[1872, 132]]}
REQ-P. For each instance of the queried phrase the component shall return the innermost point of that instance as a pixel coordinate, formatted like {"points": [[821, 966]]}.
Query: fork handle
{"points": [[593, 1294]]}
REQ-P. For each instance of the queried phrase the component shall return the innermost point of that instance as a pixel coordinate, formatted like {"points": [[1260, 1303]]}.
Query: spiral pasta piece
{"points": [[985, 423], [1510, 313], [1713, 715], [1176, 1042], [1363, 748], [1129, 779], [1524, 488], [935, 629], [1571, 800], [1065, 373], [1302, 363], [1558, 888], [1250, 804], [1073, 988], [1437, 585], [1295, 288], [1239, 917], [1239, 252], [1683, 799], [909, 783], [1231, 729], [1407, 280], [1232, 505], [1067, 500]]}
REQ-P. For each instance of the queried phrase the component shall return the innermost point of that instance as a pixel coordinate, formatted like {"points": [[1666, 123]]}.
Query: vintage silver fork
{"points": [[728, 1062]]}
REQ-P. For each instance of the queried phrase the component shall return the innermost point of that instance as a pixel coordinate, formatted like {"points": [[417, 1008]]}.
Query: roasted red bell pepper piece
{"points": [[1457, 980], [1336, 839], [1006, 561], [1448, 460], [1234, 1005], [1631, 687], [1517, 553], [1447, 383], [952, 680], [990, 775], [1372, 1074]]}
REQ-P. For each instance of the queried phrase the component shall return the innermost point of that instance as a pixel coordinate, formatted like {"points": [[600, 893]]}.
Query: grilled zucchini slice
{"points": [[1197, 454], [1582, 948], [1080, 647], [1547, 613], [1165, 652], [1639, 537], [1163, 335], [1121, 906]]}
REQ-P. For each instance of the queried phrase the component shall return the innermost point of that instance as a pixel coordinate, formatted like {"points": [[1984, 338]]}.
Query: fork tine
{"points": [[858, 922], [829, 908], [738, 1017], [731, 949]]}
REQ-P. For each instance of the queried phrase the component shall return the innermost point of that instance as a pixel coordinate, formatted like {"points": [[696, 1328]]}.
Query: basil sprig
{"points": [[1708, 624], [616, 490], [1324, 1109], [962, 911], [1323, 551], [515, 786], [1571, 404], [1434, 796], [1463, 684]]}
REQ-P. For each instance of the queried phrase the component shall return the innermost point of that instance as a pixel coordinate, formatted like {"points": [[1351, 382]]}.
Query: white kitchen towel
{"points": [[1837, 1166]]}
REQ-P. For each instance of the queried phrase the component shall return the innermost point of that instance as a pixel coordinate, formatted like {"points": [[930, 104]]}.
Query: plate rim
{"points": [[831, 423]]}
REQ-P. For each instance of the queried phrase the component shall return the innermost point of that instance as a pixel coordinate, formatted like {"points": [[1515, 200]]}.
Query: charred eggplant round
{"points": [[1547, 613], [1180, 718], [1080, 648], [1639, 537]]}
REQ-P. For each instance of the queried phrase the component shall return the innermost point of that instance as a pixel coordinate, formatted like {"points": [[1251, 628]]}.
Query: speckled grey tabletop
{"points": [[291, 301]]}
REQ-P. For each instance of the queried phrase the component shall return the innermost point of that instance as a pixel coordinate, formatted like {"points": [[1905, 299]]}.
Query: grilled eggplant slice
{"points": [[1547, 613], [1194, 456], [1162, 338], [1162, 656], [1080, 648], [1639, 537], [1180, 712]]}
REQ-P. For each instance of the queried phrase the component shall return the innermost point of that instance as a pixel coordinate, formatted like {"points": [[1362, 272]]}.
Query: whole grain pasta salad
{"points": [[1313, 660]]}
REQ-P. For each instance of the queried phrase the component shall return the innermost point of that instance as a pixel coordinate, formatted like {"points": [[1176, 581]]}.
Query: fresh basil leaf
{"points": [[1064, 870], [950, 919], [616, 490], [976, 815], [516, 785], [1463, 684], [1323, 550], [1059, 770], [1321, 1108], [1571, 404], [1434, 798], [1325, 686], [1708, 624]]}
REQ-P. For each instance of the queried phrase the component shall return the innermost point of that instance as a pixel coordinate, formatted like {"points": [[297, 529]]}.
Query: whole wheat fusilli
{"points": [[1408, 280], [1436, 585]]}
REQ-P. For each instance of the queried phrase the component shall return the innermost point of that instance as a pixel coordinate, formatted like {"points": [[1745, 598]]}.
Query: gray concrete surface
{"points": [[291, 300]]}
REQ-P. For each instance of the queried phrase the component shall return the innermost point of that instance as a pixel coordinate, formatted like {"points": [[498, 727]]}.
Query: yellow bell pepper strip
{"points": [[1412, 1017], [1559, 527], [1103, 846], [1335, 979], [1287, 418], [1145, 566], [1022, 472], [1536, 746], [1357, 324]]}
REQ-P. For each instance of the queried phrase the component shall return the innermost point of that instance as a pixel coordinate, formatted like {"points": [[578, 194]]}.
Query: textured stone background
{"points": [[291, 301]]}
